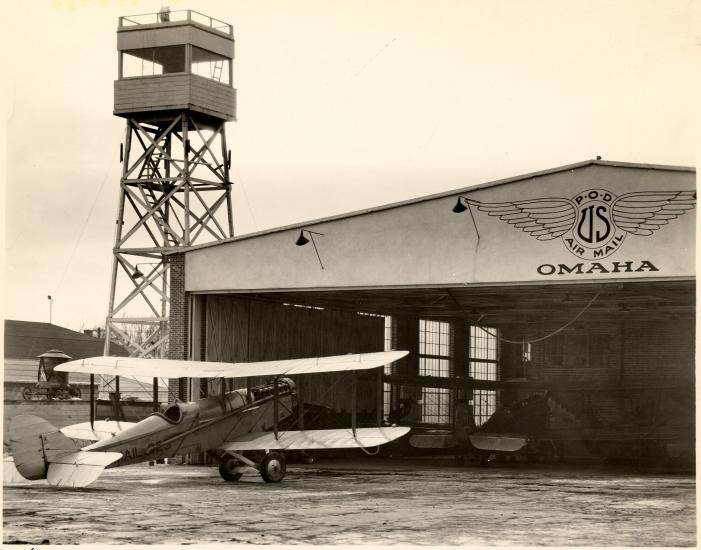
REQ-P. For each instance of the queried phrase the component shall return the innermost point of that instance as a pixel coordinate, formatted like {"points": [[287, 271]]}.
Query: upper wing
{"points": [[643, 212], [545, 219], [166, 368], [315, 439]]}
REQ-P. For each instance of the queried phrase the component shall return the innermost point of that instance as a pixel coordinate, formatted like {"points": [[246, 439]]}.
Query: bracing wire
{"points": [[85, 224], [553, 333]]}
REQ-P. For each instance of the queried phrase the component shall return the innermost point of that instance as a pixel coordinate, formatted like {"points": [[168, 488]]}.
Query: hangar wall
{"points": [[422, 242]]}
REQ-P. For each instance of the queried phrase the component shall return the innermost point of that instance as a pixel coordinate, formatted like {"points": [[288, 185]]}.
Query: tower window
{"points": [[153, 61], [210, 65]]}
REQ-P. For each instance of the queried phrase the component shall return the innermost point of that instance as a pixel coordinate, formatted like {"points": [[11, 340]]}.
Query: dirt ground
{"points": [[422, 502]]}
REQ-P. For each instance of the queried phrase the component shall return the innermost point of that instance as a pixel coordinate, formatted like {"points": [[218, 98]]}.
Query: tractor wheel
{"points": [[273, 467], [227, 469], [27, 393]]}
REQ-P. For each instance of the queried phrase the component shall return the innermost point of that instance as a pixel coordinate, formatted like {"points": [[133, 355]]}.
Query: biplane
{"points": [[226, 425]]}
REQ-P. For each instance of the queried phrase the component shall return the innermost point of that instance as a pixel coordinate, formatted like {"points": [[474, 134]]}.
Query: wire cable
{"points": [[563, 327]]}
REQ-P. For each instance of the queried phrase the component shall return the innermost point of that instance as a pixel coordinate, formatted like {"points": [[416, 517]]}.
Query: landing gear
{"points": [[231, 469], [272, 468]]}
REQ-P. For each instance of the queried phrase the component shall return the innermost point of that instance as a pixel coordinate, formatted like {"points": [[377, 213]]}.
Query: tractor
{"points": [[51, 384]]}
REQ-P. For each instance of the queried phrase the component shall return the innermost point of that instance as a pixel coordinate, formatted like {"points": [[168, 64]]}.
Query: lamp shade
{"points": [[301, 240], [459, 207]]}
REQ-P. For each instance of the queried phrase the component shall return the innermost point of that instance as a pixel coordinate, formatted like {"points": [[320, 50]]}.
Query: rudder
{"points": [[34, 441]]}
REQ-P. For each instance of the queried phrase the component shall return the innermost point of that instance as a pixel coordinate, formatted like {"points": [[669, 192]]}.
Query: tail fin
{"points": [[27, 433], [41, 451]]}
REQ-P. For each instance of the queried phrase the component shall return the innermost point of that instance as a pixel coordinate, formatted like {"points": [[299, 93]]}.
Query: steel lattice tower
{"points": [[175, 91]]}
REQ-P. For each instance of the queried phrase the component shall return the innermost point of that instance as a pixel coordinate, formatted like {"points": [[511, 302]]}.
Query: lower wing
{"points": [[315, 439]]}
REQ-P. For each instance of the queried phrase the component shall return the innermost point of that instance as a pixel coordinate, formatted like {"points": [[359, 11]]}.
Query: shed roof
{"points": [[28, 339]]}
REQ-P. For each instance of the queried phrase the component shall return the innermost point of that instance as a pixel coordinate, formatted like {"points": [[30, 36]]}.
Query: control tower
{"points": [[175, 91]]}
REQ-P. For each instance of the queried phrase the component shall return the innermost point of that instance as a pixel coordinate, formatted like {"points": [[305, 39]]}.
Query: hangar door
{"points": [[234, 328]]}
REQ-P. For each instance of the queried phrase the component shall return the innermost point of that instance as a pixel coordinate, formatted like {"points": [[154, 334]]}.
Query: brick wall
{"points": [[177, 322]]}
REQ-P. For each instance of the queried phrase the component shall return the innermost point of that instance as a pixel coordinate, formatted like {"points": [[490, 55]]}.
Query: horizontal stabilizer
{"points": [[315, 439], [497, 442], [167, 368], [103, 429], [80, 468], [433, 441]]}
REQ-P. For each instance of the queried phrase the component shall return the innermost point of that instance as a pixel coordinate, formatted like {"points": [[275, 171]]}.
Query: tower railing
{"points": [[177, 16]]}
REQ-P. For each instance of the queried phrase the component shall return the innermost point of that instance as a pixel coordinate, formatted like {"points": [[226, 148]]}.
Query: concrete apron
{"points": [[377, 501]]}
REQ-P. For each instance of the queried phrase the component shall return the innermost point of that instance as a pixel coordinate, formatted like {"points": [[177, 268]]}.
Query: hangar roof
{"points": [[594, 222], [451, 193]]}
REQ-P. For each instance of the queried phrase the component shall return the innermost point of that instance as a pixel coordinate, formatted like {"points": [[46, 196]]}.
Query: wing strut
{"points": [[117, 399], [354, 401], [92, 401], [275, 407], [379, 405], [156, 406], [300, 404]]}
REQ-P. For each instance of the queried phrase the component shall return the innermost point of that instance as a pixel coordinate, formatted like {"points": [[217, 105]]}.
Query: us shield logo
{"points": [[594, 223]]}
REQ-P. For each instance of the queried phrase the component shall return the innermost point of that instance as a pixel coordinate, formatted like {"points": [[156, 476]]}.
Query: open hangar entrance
{"points": [[615, 359], [588, 301]]}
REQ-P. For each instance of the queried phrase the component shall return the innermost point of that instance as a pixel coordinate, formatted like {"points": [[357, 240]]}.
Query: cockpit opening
{"points": [[173, 413]]}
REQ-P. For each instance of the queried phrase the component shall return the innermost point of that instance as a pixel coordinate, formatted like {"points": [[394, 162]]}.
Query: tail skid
{"points": [[41, 451]]}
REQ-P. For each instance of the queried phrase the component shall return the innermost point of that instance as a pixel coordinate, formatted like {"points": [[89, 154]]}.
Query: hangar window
{"points": [[434, 360], [389, 369], [484, 365]]}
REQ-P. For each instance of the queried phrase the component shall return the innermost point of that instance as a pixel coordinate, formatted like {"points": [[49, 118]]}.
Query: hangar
{"points": [[578, 280]]}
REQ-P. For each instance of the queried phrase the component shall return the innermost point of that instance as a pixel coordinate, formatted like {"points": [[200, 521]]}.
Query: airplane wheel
{"points": [[227, 469], [272, 467], [27, 393]]}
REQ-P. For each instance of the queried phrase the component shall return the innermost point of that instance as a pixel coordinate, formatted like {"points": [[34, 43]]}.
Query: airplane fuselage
{"points": [[193, 427]]}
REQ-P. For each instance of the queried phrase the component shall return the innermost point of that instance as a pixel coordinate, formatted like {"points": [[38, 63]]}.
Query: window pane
{"points": [[153, 61], [436, 405], [434, 360], [484, 405], [483, 365], [389, 369], [483, 343], [210, 65]]}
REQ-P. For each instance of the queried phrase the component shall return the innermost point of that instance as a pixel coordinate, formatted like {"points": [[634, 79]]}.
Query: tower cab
{"points": [[174, 61]]}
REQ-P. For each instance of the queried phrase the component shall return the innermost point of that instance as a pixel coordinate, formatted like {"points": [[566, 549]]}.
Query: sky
{"points": [[342, 105]]}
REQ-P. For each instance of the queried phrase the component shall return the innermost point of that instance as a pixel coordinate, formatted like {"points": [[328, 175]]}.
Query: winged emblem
{"points": [[545, 219], [643, 213], [595, 222]]}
